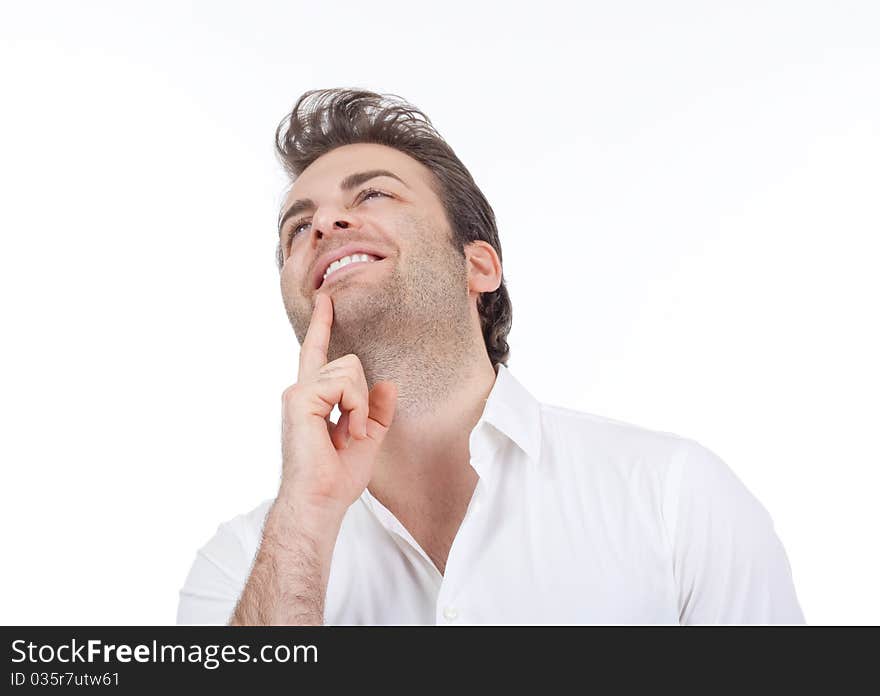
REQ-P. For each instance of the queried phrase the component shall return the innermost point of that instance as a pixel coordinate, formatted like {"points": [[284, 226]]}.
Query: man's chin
{"points": [[357, 304]]}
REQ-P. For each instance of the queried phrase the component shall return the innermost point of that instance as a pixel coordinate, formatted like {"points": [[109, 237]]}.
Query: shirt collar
{"points": [[513, 412]]}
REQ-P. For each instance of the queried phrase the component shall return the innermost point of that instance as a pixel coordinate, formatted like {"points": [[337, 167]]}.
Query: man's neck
{"points": [[424, 458]]}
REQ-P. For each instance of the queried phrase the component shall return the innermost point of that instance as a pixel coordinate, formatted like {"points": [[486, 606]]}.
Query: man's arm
{"points": [[288, 582], [730, 566], [325, 468]]}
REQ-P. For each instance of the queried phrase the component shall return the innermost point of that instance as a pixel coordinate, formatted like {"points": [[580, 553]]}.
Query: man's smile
{"points": [[346, 265], [353, 255]]}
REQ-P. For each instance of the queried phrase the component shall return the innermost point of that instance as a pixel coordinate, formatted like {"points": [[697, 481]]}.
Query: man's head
{"points": [[371, 175]]}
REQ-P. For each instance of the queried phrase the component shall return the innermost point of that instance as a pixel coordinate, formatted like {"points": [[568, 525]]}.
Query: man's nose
{"points": [[331, 221]]}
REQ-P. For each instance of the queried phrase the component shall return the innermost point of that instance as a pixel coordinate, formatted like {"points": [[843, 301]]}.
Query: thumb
{"points": [[383, 404]]}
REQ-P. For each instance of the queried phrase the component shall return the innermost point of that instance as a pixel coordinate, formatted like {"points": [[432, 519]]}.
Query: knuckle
{"points": [[332, 366], [356, 386], [291, 393], [355, 367], [352, 360]]}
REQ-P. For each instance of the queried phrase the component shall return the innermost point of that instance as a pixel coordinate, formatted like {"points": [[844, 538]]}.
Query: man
{"points": [[445, 493]]}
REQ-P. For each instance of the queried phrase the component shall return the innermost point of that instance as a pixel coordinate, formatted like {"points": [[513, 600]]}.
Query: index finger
{"points": [[313, 353]]}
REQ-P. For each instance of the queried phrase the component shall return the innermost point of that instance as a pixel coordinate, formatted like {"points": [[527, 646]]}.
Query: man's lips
{"points": [[346, 269], [324, 261]]}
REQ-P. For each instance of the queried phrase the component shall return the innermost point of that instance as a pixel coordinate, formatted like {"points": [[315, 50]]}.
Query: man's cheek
{"points": [[291, 283]]}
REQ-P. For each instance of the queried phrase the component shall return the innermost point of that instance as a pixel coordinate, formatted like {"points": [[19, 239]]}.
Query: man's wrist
{"points": [[320, 524]]}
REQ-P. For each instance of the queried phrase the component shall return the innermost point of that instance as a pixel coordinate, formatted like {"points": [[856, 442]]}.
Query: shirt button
{"points": [[450, 613]]}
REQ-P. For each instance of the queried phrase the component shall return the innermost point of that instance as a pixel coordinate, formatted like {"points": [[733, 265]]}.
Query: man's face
{"points": [[413, 277]]}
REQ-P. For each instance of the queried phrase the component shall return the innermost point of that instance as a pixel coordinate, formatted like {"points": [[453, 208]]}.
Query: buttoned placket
{"points": [[451, 607], [448, 609]]}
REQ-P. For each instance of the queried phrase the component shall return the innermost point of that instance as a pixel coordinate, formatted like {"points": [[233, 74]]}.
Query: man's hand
{"points": [[326, 466]]}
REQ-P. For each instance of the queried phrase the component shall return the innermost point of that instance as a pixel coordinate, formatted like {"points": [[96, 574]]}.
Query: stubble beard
{"points": [[411, 328]]}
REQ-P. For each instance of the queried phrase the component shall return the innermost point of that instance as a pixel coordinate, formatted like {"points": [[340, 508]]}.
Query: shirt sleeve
{"points": [[216, 578], [729, 565]]}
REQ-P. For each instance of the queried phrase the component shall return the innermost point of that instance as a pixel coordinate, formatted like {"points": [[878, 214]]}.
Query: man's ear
{"points": [[483, 267]]}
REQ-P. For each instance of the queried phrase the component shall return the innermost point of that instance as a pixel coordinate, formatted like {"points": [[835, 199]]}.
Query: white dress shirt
{"points": [[575, 519]]}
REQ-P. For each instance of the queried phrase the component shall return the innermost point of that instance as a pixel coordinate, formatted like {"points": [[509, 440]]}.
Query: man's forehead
{"points": [[326, 172]]}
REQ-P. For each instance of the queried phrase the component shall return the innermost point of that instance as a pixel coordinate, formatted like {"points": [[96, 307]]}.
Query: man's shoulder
{"points": [[684, 468], [600, 435], [678, 467]]}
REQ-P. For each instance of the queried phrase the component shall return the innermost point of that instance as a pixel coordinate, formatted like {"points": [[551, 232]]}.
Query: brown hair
{"points": [[325, 119]]}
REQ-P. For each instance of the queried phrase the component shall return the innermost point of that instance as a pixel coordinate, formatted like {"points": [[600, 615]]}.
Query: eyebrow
{"points": [[347, 184]]}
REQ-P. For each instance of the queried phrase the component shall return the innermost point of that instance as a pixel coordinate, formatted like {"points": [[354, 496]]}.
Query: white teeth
{"points": [[345, 260]]}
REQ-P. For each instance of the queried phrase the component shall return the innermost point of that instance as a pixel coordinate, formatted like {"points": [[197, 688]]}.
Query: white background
{"points": [[687, 196]]}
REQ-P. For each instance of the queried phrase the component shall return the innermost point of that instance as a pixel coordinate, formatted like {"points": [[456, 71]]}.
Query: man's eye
{"points": [[295, 231], [364, 195]]}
